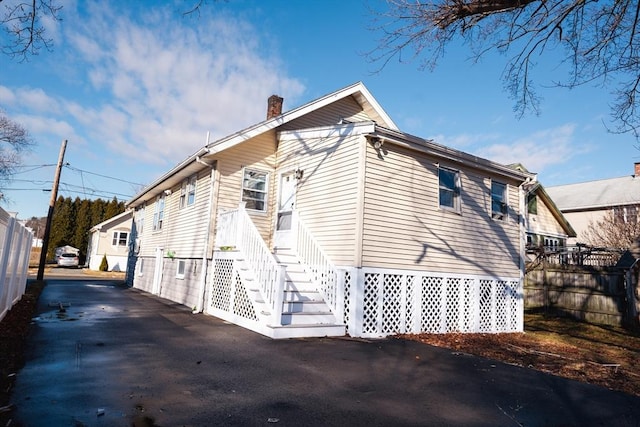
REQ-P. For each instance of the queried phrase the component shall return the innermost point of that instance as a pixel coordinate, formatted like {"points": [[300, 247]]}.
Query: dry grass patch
{"points": [[602, 355]]}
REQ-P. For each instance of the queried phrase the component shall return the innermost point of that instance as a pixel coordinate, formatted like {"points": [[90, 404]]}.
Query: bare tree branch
{"points": [[600, 39], [25, 32], [14, 140]]}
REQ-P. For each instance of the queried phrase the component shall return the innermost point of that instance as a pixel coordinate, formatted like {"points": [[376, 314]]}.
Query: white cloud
{"points": [[536, 151], [157, 84]]}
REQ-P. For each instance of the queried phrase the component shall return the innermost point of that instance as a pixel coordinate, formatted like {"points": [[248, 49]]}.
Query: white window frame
{"points": [[456, 190], [188, 192], [265, 192], [139, 221], [180, 272], [117, 238], [501, 214], [140, 267], [158, 214]]}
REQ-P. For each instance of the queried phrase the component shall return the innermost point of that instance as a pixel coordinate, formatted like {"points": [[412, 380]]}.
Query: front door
{"points": [[157, 272], [285, 219]]}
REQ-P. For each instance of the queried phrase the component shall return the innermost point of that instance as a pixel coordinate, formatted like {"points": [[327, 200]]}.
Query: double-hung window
{"points": [[449, 183], [498, 200], [119, 238], [254, 189], [158, 214], [188, 192]]}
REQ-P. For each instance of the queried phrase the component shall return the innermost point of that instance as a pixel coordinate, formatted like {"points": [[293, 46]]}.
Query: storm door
{"points": [[285, 222]]}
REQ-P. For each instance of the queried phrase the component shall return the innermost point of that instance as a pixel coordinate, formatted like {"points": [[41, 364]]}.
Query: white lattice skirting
{"points": [[381, 302], [387, 302]]}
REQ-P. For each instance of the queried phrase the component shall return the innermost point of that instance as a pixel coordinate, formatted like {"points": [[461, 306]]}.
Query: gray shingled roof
{"points": [[596, 194]]}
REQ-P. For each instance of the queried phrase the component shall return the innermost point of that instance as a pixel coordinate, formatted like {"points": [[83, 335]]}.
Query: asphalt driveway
{"points": [[114, 356]]}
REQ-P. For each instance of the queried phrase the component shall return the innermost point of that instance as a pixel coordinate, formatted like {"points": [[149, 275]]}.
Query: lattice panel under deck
{"points": [[222, 284], [348, 280], [486, 306], [242, 305], [228, 293], [438, 303], [392, 304], [431, 300], [371, 307]]}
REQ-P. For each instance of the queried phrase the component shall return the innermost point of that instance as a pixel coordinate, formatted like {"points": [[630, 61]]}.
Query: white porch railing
{"points": [[323, 273], [15, 243], [236, 230]]}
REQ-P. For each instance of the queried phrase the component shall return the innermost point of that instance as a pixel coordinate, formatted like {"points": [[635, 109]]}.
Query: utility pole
{"points": [[52, 202]]}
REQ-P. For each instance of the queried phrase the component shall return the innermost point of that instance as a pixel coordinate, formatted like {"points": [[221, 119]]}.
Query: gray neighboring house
{"points": [[586, 202]]}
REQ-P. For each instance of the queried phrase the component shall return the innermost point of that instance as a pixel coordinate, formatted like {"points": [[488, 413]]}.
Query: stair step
{"points": [[306, 331], [301, 295], [304, 307], [323, 318]]}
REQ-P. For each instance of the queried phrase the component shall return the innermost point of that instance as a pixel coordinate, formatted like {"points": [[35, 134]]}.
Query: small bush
{"points": [[104, 265]]}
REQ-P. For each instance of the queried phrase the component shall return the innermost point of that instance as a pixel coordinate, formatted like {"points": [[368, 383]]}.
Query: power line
{"points": [[103, 176]]}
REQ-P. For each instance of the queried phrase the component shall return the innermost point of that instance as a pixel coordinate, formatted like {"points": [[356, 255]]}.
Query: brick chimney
{"points": [[274, 106], [636, 169]]}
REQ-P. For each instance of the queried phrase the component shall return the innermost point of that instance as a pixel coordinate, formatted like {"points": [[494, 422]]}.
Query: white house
{"points": [[327, 219], [110, 238]]}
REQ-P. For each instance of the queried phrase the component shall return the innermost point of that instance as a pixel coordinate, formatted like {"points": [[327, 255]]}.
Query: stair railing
{"points": [[237, 231], [322, 271]]}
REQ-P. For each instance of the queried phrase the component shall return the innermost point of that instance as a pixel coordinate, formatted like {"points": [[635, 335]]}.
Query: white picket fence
{"points": [[15, 244]]}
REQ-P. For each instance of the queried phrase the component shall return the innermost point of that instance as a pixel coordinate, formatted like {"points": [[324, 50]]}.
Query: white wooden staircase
{"points": [[304, 311]]}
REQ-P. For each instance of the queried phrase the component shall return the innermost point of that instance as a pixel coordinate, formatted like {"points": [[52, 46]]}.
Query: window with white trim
{"points": [[498, 200], [120, 238], [139, 221], [158, 214], [254, 189], [181, 268], [449, 185], [188, 192], [140, 265]]}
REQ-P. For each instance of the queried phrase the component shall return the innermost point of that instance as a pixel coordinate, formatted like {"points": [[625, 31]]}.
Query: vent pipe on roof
{"points": [[274, 106]]}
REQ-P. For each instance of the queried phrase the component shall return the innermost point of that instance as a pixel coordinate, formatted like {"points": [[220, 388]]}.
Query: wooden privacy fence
{"points": [[15, 244], [601, 295]]}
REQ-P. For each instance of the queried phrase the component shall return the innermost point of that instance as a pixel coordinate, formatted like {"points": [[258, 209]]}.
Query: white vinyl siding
{"points": [[346, 109], [327, 195], [257, 153], [185, 233], [405, 228]]}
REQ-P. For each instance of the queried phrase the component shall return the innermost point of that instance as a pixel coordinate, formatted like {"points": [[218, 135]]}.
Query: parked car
{"points": [[68, 260]]}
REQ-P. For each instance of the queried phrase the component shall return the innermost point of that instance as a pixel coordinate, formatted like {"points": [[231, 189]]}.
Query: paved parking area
{"points": [[114, 356]]}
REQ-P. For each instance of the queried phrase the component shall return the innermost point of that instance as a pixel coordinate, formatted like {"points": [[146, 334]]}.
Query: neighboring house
{"points": [[588, 202], [110, 238], [546, 227], [327, 219]]}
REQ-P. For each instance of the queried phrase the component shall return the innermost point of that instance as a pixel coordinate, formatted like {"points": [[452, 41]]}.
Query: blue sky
{"points": [[134, 87]]}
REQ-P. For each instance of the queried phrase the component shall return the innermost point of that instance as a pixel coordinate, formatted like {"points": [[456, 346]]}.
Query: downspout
{"points": [[523, 206], [205, 250]]}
